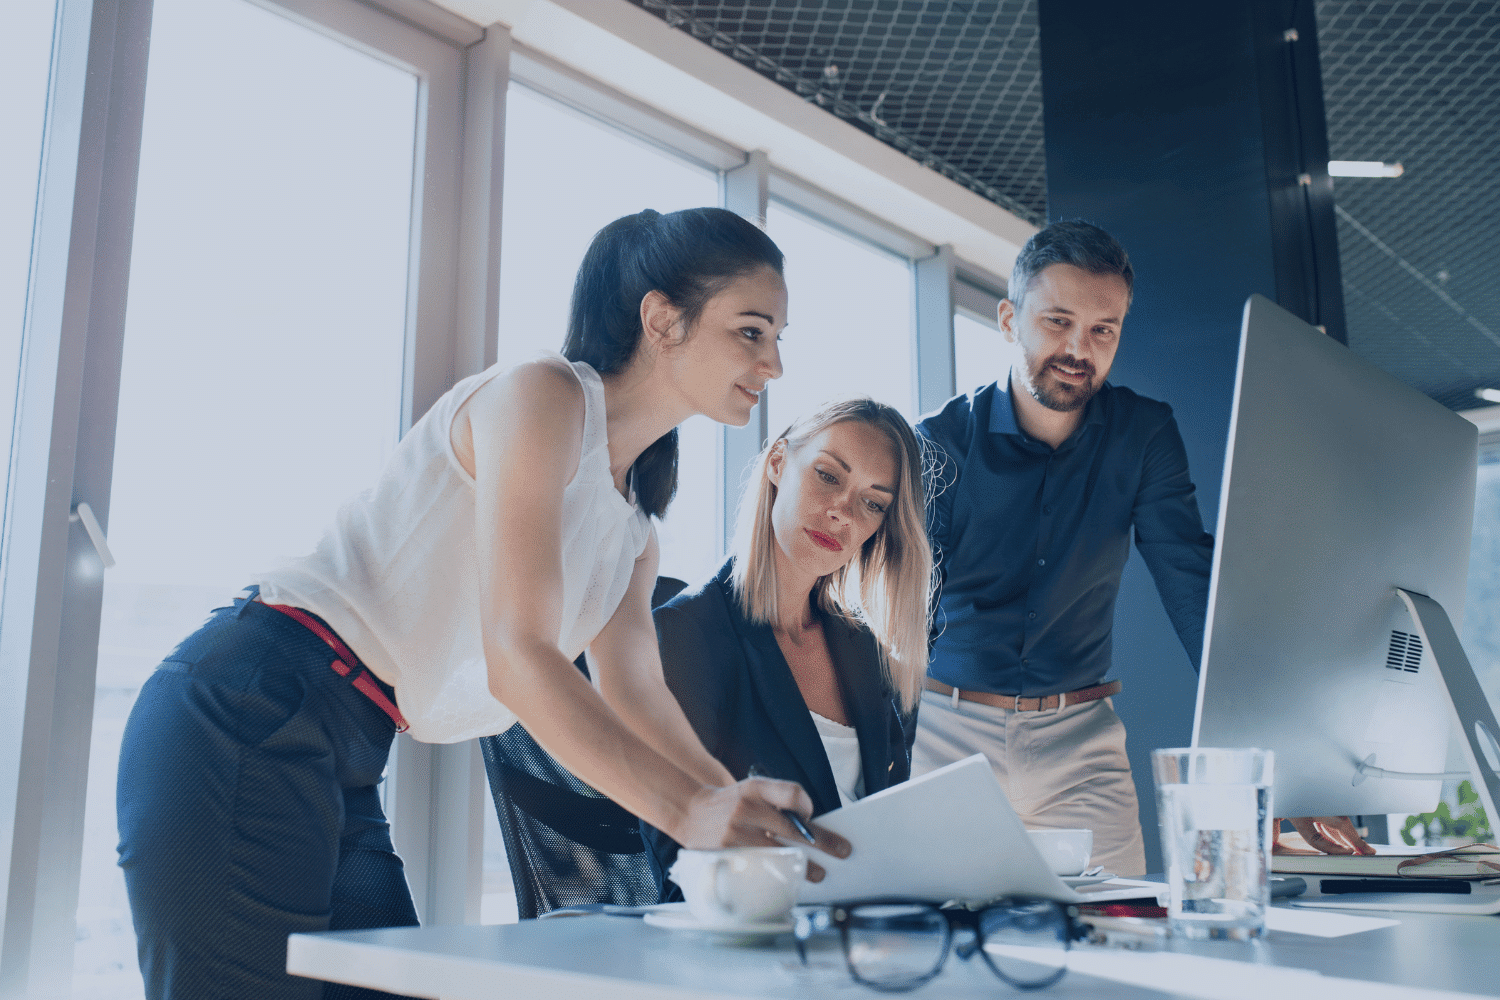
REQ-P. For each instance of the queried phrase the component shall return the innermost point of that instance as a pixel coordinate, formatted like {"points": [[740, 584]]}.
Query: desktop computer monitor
{"points": [[1342, 489]]}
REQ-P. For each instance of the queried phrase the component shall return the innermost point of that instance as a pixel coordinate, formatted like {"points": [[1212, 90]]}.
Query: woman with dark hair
{"points": [[804, 657], [509, 530]]}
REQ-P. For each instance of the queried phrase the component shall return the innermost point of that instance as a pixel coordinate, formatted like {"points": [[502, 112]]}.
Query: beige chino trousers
{"points": [[1061, 768]]}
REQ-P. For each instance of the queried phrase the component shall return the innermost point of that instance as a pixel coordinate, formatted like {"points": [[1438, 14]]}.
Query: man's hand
{"points": [[1325, 834]]}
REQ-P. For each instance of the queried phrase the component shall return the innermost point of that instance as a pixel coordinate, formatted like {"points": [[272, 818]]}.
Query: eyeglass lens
{"points": [[895, 946], [899, 946], [1026, 944]]}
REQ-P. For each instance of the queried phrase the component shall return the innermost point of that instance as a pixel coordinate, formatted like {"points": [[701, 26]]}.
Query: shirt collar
{"points": [[1003, 412]]}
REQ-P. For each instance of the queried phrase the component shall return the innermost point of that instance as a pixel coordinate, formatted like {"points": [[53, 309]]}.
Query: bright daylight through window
{"points": [[273, 158], [849, 319], [980, 354], [25, 53]]}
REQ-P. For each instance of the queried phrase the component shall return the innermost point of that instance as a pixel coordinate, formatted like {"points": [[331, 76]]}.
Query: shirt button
{"points": [[1031, 615], [1024, 660], [1041, 562]]}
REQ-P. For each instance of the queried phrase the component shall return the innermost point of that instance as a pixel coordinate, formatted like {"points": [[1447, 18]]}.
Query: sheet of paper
{"points": [[1123, 888], [1325, 925], [949, 834]]}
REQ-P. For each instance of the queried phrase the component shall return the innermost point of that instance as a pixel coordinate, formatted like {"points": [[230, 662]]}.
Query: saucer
{"points": [[1074, 881], [683, 920]]}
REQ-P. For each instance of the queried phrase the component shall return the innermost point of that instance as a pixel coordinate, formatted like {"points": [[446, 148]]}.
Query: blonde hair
{"points": [[887, 586]]}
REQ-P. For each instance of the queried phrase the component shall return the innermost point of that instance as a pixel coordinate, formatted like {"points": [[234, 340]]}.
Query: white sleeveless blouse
{"points": [[397, 576]]}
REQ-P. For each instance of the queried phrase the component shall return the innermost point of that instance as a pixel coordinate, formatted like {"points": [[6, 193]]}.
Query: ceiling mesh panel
{"points": [[957, 86], [1419, 83]]}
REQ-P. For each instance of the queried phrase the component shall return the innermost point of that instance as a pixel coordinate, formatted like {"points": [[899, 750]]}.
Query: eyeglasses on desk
{"points": [[896, 944]]}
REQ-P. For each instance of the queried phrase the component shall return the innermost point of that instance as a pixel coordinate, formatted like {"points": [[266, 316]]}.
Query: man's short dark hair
{"points": [[1071, 241]]}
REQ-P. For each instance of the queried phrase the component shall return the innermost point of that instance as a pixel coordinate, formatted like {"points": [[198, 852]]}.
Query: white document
{"points": [[1324, 925], [950, 834]]}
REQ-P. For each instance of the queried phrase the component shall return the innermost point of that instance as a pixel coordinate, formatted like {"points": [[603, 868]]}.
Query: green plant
{"points": [[1470, 820]]}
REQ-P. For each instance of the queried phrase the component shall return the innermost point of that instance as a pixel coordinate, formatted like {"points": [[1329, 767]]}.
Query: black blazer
{"points": [[738, 692]]}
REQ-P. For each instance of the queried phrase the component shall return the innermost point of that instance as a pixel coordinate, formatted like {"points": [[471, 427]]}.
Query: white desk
{"points": [[623, 959]]}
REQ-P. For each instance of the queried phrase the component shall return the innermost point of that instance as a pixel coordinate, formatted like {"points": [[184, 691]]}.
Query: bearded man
{"points": [[1043, 475]]}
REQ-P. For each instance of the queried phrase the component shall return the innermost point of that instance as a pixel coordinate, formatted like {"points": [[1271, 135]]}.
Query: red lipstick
{"points": [[827, 541]]}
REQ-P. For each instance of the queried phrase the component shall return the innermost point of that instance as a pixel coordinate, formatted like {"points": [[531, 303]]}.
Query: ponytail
{"points": [[688, 256]]}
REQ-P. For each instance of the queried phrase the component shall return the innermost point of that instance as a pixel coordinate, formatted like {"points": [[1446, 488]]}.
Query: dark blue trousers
{"points": [[248, 810]]}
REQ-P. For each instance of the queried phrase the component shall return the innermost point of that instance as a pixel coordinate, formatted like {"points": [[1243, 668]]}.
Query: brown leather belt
{"points": [[1045, 703]]}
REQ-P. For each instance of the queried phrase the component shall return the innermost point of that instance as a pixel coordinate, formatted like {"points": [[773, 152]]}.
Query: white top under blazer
{"points": [[841, 744], [397, 577]]}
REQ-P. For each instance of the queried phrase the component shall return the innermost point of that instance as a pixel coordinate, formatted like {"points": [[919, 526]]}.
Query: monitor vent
{"points": [[1405, 653]]}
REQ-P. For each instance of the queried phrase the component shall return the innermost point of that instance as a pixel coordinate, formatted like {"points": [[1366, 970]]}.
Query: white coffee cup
{"points": [[740, 885], [1066, 852]]}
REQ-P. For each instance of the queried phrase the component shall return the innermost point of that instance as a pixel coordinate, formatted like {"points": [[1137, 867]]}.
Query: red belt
{"points": [[1047, 702], [346, 663]]}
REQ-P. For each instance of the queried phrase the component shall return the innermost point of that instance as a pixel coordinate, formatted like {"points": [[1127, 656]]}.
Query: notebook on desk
{"points": [[1412, 879], [1480, 900], [1478, 862]]}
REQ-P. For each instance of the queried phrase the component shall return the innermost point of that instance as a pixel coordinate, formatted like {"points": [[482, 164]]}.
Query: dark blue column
{"points": [[1194, 133]]}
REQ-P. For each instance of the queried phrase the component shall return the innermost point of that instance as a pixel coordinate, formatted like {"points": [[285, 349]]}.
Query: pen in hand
{"points": [[756, 771]]}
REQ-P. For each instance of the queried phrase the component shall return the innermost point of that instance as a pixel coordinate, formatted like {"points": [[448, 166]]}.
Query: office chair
{"points": [[567, 844]]}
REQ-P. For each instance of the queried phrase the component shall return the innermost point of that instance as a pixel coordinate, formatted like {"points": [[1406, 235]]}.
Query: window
{"points": [[566, 176], [262, 376], [25, 55], [980, 354], [849, 321]]}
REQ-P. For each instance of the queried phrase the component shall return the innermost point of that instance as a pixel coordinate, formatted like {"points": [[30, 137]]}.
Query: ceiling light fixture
{"points": [[1488, 395], [1364, 168]]}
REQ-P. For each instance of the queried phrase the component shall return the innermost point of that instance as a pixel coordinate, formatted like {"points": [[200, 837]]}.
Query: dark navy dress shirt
{"points": [[1031, 542]]}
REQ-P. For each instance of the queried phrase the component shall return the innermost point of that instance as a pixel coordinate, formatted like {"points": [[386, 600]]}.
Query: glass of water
{"points": [[1214, 806]]}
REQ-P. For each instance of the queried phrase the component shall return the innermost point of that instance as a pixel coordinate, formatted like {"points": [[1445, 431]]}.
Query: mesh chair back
{"points": [[567, 844]]}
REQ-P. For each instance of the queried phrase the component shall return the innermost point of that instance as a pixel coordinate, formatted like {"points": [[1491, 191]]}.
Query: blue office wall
{"points": [[1182, 127]]}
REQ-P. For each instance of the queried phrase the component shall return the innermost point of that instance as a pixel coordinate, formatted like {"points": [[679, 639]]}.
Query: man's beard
{"points": [[1057, 395]]}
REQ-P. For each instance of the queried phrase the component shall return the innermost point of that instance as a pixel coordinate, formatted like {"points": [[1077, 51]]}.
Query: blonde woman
{"points": [[804, 656]]}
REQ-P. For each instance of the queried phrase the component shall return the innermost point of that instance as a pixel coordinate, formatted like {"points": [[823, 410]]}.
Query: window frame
{"points": [[929, 271]]}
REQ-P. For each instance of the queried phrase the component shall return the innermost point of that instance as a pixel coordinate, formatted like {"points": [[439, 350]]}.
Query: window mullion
{"points": [[745, 191], [436, 796], [932, 345]]}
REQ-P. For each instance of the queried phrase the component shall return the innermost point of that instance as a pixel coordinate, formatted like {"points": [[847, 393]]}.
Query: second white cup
{"points": [[740, 885], [1066, 852]]}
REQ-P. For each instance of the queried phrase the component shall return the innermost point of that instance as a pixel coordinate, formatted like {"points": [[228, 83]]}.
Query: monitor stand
{"points": [[1471, 712], [1466, 700], [1471, 709]]}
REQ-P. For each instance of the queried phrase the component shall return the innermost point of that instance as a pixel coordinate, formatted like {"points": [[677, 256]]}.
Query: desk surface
{"points": [[620, 957]]}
